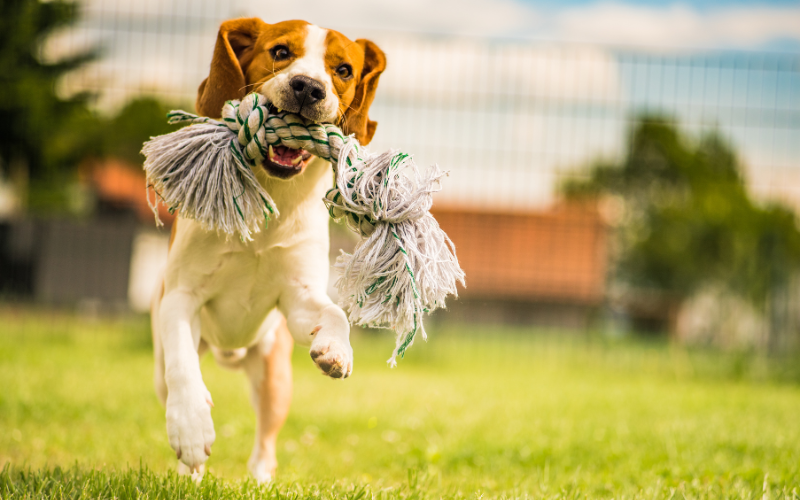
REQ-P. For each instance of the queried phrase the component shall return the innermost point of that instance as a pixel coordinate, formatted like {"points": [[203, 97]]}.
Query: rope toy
{"points": [[403, 266]]}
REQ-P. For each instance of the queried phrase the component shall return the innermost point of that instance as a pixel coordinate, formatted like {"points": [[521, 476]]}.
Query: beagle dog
{"points": [[248, 302]]}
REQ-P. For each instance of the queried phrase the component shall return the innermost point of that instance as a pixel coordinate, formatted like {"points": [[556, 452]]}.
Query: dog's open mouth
{"points": [[283, 162]]}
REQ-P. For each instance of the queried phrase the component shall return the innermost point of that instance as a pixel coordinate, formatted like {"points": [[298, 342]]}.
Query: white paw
{"points": [[262, 470], [332, 355], [197, 473], [189, 425]]}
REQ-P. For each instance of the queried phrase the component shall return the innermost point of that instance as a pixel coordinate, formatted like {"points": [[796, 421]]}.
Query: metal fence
{"points": [[533, 109], [512, 120]]}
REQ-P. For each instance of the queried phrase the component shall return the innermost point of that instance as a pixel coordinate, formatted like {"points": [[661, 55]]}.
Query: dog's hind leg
{"points": [[158, 350], [269, 368]]}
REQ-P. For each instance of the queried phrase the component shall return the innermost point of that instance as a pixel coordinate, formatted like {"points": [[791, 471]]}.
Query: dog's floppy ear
{"points": [[232, 54], [356, 121]]}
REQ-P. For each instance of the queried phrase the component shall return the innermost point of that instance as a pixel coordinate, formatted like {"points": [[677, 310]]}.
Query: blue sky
{"points": [[741, 24], [738, 24], [764, 25], [702, 5]]}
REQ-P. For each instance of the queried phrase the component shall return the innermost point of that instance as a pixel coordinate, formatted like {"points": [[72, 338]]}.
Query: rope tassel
{"points": [[403, 267]]}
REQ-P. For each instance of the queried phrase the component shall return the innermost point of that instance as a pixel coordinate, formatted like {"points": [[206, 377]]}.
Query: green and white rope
{"points": [[404, 265]]}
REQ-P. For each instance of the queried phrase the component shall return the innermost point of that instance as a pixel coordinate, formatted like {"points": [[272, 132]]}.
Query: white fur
{"points": [[312, 65], [223, 291]]}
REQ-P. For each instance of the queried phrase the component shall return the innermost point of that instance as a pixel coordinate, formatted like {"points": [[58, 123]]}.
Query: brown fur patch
{"points": [[263, 66], [356, 119], [342, 50], [243, 61]]}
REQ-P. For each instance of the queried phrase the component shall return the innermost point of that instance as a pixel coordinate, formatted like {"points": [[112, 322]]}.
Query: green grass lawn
{"points": [[472, 414]]}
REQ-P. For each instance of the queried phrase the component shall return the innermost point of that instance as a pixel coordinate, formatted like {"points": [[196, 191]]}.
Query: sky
{"points": [[773, 25], [530, 89], [702, 5]]}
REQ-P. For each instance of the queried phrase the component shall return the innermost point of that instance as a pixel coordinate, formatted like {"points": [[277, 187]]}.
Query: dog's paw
{"points": [[332, 355], [196, 474], [262, 469], [189, 425]]}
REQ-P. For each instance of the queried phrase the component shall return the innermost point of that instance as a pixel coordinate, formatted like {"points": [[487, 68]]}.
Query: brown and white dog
{"points": [[248, 302]]}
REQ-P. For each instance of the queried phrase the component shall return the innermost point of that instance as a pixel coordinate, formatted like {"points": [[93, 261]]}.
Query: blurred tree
{"points": [[40, 131], [44, 137], [688, 221], [140, 119], [87, 139]]}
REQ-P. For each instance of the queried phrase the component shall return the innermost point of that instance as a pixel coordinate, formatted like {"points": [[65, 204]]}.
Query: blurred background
{"points": [[623, 196], [625, 167]]}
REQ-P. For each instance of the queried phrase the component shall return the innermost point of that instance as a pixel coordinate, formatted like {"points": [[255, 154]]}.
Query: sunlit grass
{"points": [[474, 412]]}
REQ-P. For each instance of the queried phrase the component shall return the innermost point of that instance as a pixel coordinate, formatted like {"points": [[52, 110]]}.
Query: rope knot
{"points": [[256, 130], [374, 188]]}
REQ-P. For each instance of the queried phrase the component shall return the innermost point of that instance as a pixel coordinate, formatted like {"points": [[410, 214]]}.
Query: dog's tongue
{"points": [[284, 155]]}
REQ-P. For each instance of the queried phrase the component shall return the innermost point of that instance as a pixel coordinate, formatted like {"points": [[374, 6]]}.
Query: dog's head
{"points": [[313, 72]]}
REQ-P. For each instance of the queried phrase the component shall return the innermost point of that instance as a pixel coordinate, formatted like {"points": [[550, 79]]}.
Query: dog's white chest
{"points": [[241, 292], [238, 283]]}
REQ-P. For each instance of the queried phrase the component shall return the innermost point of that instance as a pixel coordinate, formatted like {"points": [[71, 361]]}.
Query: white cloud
{"points": [[478, 17], [446, 70], [671, 26], [677, 26], [505, 119]]}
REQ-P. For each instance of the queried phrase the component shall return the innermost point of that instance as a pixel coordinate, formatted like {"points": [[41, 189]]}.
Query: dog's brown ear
{"points": [[232, 55], [356, 120]]}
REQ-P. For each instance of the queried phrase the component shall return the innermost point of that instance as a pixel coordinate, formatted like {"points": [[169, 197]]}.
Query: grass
{"points": [[472, 414]]}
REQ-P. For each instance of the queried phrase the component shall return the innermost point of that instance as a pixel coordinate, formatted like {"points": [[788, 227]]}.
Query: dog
{"points": [[248, 302]]}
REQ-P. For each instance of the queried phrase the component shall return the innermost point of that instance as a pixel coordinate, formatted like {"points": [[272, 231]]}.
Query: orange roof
{"points": [[122, 184], [556, 255]]}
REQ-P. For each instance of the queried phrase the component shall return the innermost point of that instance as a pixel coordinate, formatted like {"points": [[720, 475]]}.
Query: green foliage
{"points": [[32, 115], [48, 136], [140, 119], [87, 135], [689, 220], [474, 413]]}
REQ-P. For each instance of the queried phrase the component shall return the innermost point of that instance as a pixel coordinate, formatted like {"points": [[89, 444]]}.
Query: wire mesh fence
{"points": [[590, 186]]}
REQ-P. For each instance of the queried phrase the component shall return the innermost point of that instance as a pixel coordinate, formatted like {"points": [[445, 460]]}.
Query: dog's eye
{"points": [[280, 52], [344, 71]]}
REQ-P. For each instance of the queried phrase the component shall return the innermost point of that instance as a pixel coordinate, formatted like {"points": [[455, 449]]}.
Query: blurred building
{"points": [[66, 261], [110, 259], [543, 267]]}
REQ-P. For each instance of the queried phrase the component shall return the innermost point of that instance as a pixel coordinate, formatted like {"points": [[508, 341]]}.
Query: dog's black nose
{"points": [[307, 90]]}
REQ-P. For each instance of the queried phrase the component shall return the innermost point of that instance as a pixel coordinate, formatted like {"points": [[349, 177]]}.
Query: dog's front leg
{"points": [[189, 425], [312, 317]]}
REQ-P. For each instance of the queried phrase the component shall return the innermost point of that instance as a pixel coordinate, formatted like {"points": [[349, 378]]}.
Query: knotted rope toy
{"points": [[404, 265]]}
